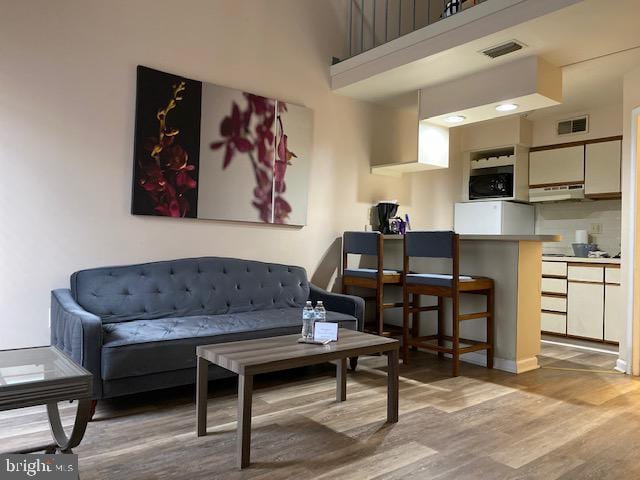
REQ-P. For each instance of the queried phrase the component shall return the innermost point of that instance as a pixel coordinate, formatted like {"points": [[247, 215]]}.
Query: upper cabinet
{"points": [[556, 166], [572, 171], [602, 169]]}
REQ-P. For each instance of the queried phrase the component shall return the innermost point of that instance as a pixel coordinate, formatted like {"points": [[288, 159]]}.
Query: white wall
{"points": [[564, 218], [66, 137], [630, 214]]}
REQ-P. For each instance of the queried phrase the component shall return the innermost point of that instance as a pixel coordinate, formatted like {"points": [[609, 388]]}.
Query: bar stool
{"points": [[369, 243], [444, 245]]}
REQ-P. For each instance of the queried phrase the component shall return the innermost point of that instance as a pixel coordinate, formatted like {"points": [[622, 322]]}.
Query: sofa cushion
{"points": [[188, 287], [141, 347]]}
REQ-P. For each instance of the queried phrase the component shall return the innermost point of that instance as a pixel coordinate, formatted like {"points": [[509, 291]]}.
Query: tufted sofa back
{"points": [[187, 287]]}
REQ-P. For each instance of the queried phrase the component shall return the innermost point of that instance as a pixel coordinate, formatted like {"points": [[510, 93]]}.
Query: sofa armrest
{"points": [[336, 302], [77, 333]]}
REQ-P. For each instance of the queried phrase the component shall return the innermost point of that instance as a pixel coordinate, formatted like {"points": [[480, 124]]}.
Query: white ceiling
{"points": [[569, 38]]}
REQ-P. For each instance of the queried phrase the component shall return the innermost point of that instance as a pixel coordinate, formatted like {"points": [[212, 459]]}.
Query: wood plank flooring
{"points": [[574, 418]]}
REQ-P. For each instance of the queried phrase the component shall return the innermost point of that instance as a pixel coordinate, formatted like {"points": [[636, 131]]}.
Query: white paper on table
{"points": [[323, 331]]}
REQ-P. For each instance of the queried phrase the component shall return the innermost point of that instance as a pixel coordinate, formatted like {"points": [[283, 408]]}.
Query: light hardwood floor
{"points": [[572, 419]]}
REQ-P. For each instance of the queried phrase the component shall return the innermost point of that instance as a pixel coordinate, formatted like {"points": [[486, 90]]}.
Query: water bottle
{"points": [[307, 320], [320, 314]]}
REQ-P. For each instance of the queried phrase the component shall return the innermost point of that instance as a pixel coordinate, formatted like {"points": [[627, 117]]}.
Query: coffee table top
{"points": [[249, 357], [30, 375]]}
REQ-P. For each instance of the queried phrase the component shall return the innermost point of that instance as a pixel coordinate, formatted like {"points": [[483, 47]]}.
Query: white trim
{"points": [[511, 366], [527, 364], [591, 349], [621, 366], [629, 256]]}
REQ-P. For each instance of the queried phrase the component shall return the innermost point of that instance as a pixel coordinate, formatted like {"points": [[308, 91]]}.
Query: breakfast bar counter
{"points": [[514, 262]]}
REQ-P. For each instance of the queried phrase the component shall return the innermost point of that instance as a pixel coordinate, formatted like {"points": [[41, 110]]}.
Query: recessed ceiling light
{"points": [[506, 107], [455, 119]]}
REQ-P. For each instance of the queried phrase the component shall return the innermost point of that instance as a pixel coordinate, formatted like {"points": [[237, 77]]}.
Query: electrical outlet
{"points": [[595, 228]]}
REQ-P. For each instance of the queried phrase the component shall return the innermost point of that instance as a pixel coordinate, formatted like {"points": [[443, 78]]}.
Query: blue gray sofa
{"points": [[136, 327]]}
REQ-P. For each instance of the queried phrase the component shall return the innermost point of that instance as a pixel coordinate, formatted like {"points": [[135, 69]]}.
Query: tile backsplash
{"points": [[564, 218]]}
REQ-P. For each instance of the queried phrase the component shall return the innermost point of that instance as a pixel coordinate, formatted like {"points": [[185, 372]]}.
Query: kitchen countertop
{"points": [[554, 258], [503, 238]]}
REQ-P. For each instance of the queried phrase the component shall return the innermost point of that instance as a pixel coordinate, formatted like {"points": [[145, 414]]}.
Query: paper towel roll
{"points": [[581, 236]]}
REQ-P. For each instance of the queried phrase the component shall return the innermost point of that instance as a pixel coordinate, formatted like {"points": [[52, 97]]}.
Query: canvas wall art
{"points": [[213, 152], [166, 145]]}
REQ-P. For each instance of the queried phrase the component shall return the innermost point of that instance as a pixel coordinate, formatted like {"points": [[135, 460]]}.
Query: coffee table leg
{"points": [[80, 425], [341, 380], [245, 394], [392, 386], [202, 387]]}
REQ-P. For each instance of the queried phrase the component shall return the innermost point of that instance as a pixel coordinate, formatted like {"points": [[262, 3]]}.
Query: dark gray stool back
{"points": [[362, 243], [430, 244]]}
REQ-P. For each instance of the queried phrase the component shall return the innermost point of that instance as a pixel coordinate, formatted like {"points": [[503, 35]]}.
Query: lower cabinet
{"points": [[614, 320], [585, 305], [553, 322], [582, 300]]}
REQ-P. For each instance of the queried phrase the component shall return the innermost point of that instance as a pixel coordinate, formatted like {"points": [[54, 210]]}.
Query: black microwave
{"points": [[491, 182]]}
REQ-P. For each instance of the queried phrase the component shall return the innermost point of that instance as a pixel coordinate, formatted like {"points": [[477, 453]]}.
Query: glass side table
{"points": [[46, 376]]}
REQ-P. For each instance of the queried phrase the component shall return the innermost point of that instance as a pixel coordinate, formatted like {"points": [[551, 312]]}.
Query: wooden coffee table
{"points": [[250, 357]]}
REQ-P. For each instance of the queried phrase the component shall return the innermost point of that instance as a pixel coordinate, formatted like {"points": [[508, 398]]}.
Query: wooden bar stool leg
{"points": [[380, 309], [405, 326], [490, 323], [456, 334], [441, 332], [415, 318]]}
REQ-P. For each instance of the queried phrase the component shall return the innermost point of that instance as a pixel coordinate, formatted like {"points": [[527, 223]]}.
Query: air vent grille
{"points": [[504, 49], [573, 125]]}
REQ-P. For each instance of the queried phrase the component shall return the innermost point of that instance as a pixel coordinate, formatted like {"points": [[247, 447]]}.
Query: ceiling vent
{"points": [[573, 125], [504, 49]]}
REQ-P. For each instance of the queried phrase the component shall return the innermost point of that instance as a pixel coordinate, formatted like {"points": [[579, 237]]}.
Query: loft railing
{"points": [[375, 22]]}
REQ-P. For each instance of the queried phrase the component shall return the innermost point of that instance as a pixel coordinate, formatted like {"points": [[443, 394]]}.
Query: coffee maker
{"points": [[386, 211]]}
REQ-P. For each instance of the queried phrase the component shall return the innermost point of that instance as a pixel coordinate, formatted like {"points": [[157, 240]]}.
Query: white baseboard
{"points": [[621, 365], [527, 364], [503, 364]]}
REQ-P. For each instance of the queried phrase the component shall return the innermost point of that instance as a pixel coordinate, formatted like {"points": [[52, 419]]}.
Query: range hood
{"points": [[556, 193]]}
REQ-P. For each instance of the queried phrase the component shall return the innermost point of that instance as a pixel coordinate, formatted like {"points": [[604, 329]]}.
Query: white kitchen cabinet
{"points": [[554, 269], [614, 318], [612, 275], [585, 305], [553, 322], [556, 166], [602, 168], [553, 303], [554, 285], [582, 298], [586, 274]]}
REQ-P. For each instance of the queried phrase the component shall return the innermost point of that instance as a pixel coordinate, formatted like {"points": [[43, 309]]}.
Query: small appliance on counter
{"points": [[398, 225], [494, 218], [386, 212], [582, 248]]}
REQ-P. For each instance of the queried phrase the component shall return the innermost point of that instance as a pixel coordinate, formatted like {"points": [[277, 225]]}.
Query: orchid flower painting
{"points": [[213, 152], [249, 131]]}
